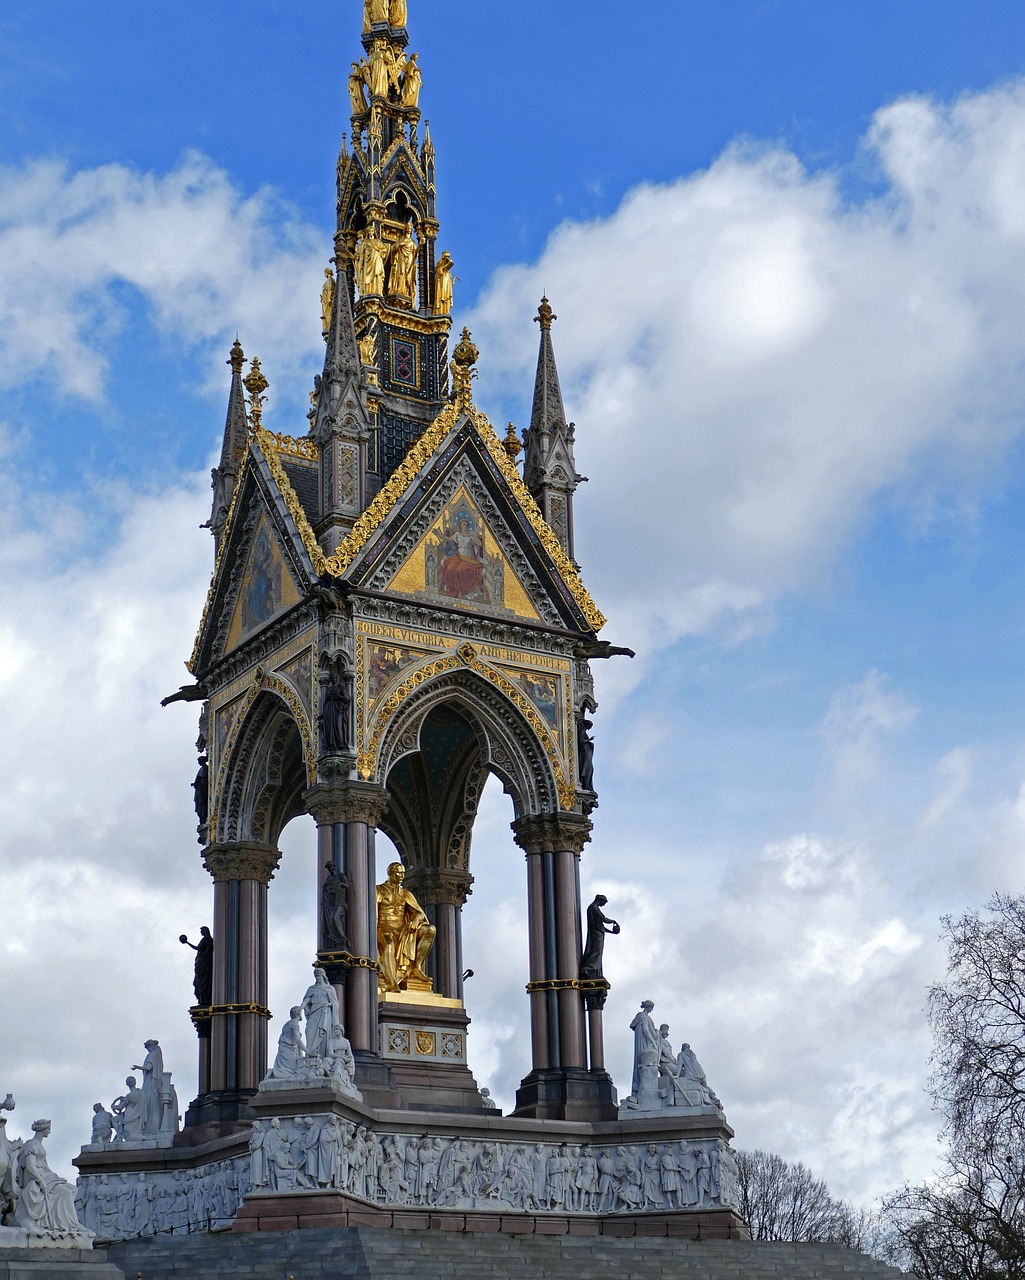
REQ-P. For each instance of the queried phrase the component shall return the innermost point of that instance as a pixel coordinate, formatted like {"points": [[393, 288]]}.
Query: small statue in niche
{"points": [[585, 751], [598, 925], [336, 713], [327, 299], [369, 264], [201, 790], [334, 909], [203, 980], [402, 265]]}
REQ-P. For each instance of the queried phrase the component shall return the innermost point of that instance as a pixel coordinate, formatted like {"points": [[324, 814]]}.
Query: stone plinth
{"points": [[43, 1260], [425, 1047]]}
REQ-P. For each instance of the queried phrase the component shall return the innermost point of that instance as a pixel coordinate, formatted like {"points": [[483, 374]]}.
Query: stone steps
{"points": [[362, 1253]]}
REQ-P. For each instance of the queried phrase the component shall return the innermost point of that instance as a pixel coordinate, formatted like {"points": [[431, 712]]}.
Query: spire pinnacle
{"points": [[545, 316], [233, 449]]}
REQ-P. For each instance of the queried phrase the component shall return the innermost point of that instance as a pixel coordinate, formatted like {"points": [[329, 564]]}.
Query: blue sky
{"points": [[785, 244]]}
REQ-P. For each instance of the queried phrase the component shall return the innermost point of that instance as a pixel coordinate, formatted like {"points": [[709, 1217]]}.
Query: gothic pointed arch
{"points": [[268, 765], [506, 743]]}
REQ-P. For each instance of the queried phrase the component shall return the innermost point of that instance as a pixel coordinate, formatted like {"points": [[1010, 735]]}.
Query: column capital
{"points": [[434, 885], [346, 801], [552, 832], [241, 860]]}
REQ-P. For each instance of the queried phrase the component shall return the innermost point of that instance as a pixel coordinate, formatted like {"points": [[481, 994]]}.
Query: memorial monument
{"points": [[395, 613]]}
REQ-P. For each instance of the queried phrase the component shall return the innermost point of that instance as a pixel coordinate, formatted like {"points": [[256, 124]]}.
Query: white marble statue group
{"points": [[326, 1152], [35, 1203], [323, 1054], [662, 1078], [146, 1116], [127, 1205]]}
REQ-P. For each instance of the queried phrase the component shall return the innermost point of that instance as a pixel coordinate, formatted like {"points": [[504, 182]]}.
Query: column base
{"points": [[567, 1093], [217, 1115]]}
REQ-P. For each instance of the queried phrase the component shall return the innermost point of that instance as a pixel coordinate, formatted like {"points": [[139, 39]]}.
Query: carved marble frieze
{"points": [[316, 1152]]}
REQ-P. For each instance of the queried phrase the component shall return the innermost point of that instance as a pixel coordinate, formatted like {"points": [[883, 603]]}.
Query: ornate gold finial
{"points": [[463, 359], [545, 316], [237, 358], [512, 444], [256, 384]]}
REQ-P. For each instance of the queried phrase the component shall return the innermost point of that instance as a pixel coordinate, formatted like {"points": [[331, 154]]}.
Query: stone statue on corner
{"points": [[45, 1202], [203, 979], [598, 925]]}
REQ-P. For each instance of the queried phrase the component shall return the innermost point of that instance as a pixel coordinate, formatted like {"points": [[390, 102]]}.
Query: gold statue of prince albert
{"points": [[404, 935]]}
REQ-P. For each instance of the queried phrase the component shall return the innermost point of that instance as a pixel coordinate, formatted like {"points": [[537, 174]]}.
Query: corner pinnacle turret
{"points": [[549, 468]]}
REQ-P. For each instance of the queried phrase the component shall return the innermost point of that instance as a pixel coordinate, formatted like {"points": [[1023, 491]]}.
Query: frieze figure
{"points": [[404, 935], [203, 977], [598, 925]]}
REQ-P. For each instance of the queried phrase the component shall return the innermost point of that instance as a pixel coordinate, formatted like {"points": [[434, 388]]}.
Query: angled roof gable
{"points": [[264, 567], [457, 446]]}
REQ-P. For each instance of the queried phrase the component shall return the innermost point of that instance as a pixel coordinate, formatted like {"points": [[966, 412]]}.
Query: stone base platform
{"points": [[322, 1209], [368, 1254], [41, 1263]]}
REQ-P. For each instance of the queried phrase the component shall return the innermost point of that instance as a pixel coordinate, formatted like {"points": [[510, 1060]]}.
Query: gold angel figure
{"points": [[357, 87], [397, 13], [327, 299], [412, 83], [402, 266]]}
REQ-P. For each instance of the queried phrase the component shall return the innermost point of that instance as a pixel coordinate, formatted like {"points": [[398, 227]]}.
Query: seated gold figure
{"points": [[404, 935]]}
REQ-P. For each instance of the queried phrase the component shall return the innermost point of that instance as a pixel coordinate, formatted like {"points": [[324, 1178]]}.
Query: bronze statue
{"points": [[402, 266], [585, 752], [369, 265], [334, 910], [404, 935], [203, 980], [443, 286], [598, 925], [327, 299], [201, 790], [336, 715]]}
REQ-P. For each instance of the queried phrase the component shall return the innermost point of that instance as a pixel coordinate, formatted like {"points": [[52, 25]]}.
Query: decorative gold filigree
{"points": [[291, 447]]}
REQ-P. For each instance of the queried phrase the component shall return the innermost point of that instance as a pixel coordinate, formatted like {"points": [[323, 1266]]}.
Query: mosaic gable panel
{"points": [[268, 588], [460, 563]]}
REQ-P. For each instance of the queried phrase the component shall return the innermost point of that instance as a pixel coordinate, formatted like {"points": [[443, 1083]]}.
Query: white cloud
{"points": [[204, 258], [751, 357]]}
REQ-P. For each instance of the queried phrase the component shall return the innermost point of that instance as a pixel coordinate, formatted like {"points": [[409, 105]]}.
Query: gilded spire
{"points": [[463, 373]]}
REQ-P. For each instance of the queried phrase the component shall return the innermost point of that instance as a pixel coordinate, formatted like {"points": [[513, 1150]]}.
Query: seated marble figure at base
{"points": [[44, 1201]]}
